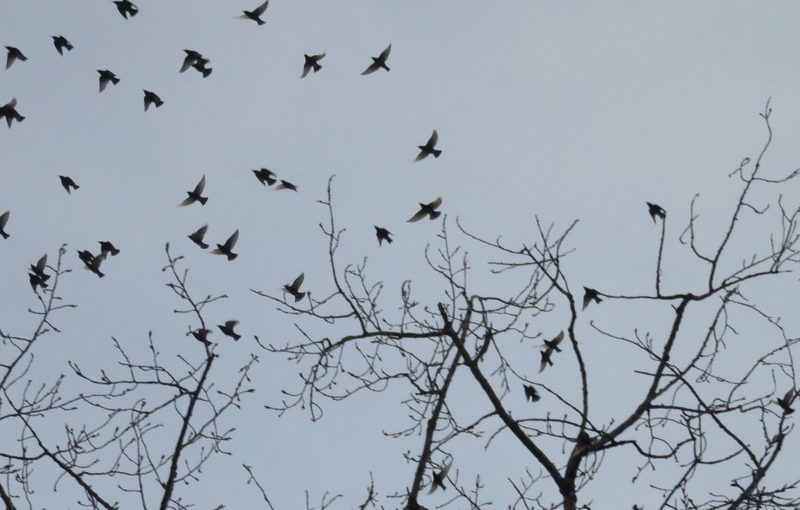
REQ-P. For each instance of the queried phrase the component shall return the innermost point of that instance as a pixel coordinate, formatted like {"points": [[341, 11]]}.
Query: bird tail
{"points": [[20, 118], [435, 214], [389, 240], [203, 200], [206, 71], [299, 296], [236, 336], [159, 102], [5, 236], [271, 181], [316, 66], [259, 22], [436, 153], [203, 245], [114, 80], [232, 255], [114, 252]]}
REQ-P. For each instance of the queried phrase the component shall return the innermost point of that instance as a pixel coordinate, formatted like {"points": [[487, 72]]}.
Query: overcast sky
{"points": [[565, 110]]}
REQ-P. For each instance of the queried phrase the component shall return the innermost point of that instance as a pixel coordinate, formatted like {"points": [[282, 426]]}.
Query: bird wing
{"points": [[231, 242], [10, 59], [200, 185], [4, 218], [42, 263], [103, 82], [436, 203], [385, 53], [188, 61], [187, 201], [231, 324], [433, 140], [420, 214], [201, 232], [789, 396], [587, 298], [12, 103], [559, 337], [258, 11], [421, 155], [371, 68], [306, 68], [295, 286]]}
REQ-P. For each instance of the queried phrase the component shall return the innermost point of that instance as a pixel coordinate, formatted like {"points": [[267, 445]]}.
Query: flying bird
{"points": [[227, 329], [201, 335], [191, 57], [91, 262], [3, 221], [151, 98], [590, 295], [785, 403], [126, 7], [548, 348], [531, 394], [225, 249], [265, 176], [286, 185], [383, 235], [256, 13], [107, 247], [105, 77], [656, 210], [379, 62], [10, 113], [312, 62], [427, 210], [60, 42], [429, 148], [196, 194], [13, 55], [68, 183], [438, 479], [294, 288], [197, 236]]}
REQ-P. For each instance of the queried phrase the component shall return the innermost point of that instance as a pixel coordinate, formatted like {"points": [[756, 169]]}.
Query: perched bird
{"points": [[201, 335], [312, 62], [196, 194], [785, 403], [60, 42], [92, 263], [191, 57], [197, 236], [265, 176], [107, 247], [438, 479], [10, 113], [427, 210], [656, 210], [379, 62], [126, 7], [151, 98], [13, 55], [256, 13], [227, 329], [36, 281], [429, 148], [105, 77], [590, 295], [3, 221], [68, 183], [225, 249], [548, 348], [294, 288], [383, 235], [286, 185], [531, 394]]}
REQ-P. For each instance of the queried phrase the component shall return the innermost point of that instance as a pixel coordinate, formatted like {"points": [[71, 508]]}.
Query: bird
{"points": [[105, 77], [10, 112], [590, 295], [126, 7], [548, 348], [3, 222], [656, 210], [256, 13], [379, 62], [427, 210], [201, 335], [286, 185], [192, 56], [91, 262], [383, 235], [196, 194], [107, 247], [39, 267], [197, 236], [785, 403], [36, 281], [429, 148], [312, 62], [265, 176], [227, 329], [151, 98], [438, 479], [60, 42], [530, 393], [294, 288], [68, 183], [13, 55], [225, 249]]}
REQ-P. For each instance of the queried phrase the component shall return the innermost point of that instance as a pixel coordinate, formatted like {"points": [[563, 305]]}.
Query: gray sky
{"points": [[565, 110]]}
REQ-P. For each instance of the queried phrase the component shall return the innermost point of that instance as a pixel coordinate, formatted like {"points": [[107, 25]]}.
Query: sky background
{"points": [[565, 110]]}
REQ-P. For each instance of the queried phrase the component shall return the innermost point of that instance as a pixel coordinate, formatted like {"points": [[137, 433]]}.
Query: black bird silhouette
{"points": [[227, 329], [429, 148], [126, 7], [548, 348], [197, 236], [68, 183], [656, 210], [105, 77], [3, 222], [10, 113], [379, 62], [590, 295], [256, 13], [265, 176], [196, 194], [192, 56], [438, 479], [201, 335], [36, 281], [383, 235], [785, 403], [92, 263], [312, 62], [427, 210], [294, 288], [225, 249], [286, 185], [531, 394], [13, 55], [60, 42], [151, 98], [107, 247]]}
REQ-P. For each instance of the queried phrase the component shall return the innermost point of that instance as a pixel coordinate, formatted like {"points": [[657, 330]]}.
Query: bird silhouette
{"points": [[225, 249], [531, 394], [265, 176], [13, 55], [192, 56], [312, 62], [10, 113], [656, 210], [256, 13], [201, 335], [126, 7], [383, 235], [427, 210], [105, 77], [286, 185], [549, 347], [3, 221], [429, 148], [294, 288], [60, 42], [36, 281], [91, 262], [197, 236], [785, 402], [68, 183], [590, 295], [378, 62], [151, 98], [107, 247], [227, 329], [438, 479], [196, 194]]}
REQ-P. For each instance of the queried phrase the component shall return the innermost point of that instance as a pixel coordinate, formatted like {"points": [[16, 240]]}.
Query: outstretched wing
{"points": [[385, 53], [200, 185], [436, 203], [258, 11], [12, 103], [4, 218], [433, 140], [231, 242], [420, 214], [298, 282], [371, 68]]}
